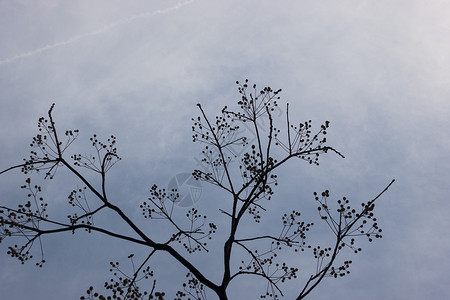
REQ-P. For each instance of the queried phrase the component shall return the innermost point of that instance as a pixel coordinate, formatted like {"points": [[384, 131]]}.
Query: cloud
{"points": [[104, 29]]}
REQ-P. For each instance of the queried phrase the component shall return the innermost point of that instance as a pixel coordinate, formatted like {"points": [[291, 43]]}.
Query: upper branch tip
{"points": [[51, 108]]}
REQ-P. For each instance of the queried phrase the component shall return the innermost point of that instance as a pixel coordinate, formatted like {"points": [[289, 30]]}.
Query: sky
{"points": [[377, 70]]}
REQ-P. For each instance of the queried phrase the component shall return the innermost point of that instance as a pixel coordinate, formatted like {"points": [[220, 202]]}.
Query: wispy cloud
{"points": [[93, 33]]}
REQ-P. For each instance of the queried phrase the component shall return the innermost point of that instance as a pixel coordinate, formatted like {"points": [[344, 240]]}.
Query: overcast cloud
{"points": [[379, 71]]}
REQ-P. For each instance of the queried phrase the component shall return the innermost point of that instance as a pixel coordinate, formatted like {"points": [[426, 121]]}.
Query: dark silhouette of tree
{"points": [[246, 175]]}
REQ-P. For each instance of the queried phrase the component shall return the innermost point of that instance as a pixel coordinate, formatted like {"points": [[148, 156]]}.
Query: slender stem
{"points": [[288, 129], [54, 131], [222, 156], [31, 163]]}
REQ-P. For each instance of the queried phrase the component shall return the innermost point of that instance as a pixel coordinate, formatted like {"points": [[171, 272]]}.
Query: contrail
{"points": [[92, 33]]}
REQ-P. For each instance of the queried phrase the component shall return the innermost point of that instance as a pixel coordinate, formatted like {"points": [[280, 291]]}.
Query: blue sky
{"points": [[377, 70]]}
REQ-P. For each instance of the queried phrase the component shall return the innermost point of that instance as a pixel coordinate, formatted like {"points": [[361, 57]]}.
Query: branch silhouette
{"points": [[241, 164]]}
